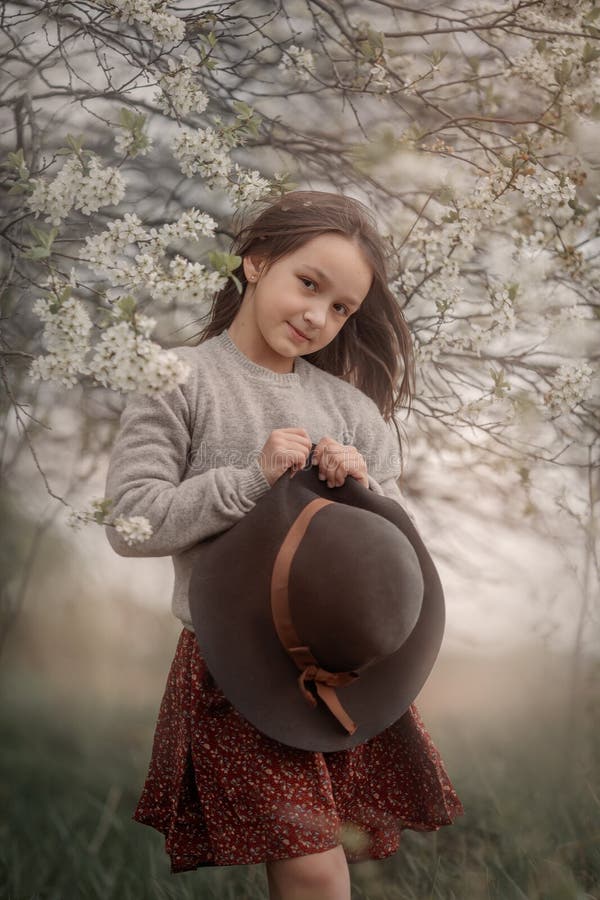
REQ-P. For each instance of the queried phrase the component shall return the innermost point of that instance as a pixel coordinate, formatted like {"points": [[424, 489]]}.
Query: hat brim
{"points": [[230, 605]]}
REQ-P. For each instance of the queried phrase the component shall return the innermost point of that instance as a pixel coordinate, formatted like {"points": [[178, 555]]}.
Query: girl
{"points": [[310, 353]]}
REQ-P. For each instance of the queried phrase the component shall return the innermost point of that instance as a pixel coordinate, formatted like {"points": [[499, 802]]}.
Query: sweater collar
{"points": [[259, 371]]}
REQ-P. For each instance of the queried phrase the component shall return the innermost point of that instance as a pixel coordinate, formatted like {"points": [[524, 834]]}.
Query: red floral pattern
{"points": [[224, 794]]}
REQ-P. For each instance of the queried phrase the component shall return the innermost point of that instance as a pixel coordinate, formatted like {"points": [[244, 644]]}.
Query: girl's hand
{"points": [[285, 447], [336, 461]]}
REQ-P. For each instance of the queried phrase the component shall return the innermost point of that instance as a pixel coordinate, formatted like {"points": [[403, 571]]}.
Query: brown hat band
{"points": [[310, 670]]}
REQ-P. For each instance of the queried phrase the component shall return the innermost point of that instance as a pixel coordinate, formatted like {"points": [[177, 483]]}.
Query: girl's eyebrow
{"points": [[320, 274]]}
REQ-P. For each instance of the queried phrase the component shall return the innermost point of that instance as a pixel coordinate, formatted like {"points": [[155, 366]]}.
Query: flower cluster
{"points": [[103, 252], [76, 187], [502, 319], [191, 225], [561, 61], [247, 186], [126, 359], [567, 315], [179, 92], [203, 151], [444, 289], [298, 62], [134, 530], [166, 28], [378, 77], [568, 387], [428, 351], [66, 329], [546, 192], [183, 281], [129, 144]]}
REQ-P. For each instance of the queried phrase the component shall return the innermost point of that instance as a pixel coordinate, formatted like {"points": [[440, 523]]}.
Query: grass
{"points": [[69, 784]]}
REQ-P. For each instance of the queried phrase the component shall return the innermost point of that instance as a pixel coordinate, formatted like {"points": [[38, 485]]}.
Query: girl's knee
{"points": [[317, 876]]}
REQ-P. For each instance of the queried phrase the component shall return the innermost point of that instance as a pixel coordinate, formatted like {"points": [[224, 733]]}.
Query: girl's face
{"points": [[313, 290]]}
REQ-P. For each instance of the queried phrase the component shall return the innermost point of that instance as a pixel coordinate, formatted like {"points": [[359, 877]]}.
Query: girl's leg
{"points": [[317, 876]]}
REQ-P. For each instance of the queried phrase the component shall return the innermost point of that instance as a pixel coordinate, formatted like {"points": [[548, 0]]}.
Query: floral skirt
{"points": [[224, 794]]}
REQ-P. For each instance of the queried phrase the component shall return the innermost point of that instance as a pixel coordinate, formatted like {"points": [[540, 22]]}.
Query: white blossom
{"points": [[74, 188], [559, 61], [126, 143], [103, 252], [503, 314], [184, 281], [66, 329], [126, 360], [191, 225], [134, 530], [76, 518], [297, 61], [56, 197], [166, 27], [568, 387], [378, 77], [444, 289], [179, 92], [569, 314], [203, 152], [248, 186], [546, 192], [428, 351]]}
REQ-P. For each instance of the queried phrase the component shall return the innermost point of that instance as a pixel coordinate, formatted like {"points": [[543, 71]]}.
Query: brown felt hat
{"points": [[320, 614]]}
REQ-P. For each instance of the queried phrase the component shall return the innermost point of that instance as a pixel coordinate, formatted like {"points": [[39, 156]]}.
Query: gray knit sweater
{"points": [[188, 459]]}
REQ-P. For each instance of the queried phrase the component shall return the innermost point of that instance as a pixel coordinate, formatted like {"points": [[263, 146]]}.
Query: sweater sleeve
{"points": [[382, 455], [147, 464]]}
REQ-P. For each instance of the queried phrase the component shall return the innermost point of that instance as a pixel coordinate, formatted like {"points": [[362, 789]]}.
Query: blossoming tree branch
{"points": [[134, 130]]}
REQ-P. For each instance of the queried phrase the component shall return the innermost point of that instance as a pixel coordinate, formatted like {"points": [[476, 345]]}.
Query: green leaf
{"points": [[563, 73], [130, 119], [225, 263], [15, 160], [437, 57], [590, 54], [127, 306], [242, 109], [37, 253], [444, 195], [65, 293], [237, 283], [75, 143], [501, 386]]}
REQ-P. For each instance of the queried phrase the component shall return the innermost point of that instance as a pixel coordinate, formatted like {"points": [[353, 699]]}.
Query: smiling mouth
{"points": [[299, 333]]}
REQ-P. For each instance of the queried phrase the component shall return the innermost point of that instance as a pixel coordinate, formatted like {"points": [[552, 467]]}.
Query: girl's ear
{"points": [[253, 266]]}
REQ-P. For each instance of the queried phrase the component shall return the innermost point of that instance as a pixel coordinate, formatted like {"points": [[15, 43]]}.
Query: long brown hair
{"points": [[374, 349]]}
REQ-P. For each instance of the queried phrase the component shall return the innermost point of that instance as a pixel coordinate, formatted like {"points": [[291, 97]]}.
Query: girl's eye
{"points": [[310, 281]]}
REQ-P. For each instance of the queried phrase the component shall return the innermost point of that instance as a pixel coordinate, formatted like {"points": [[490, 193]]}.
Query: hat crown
{"points": [[355, 588]]}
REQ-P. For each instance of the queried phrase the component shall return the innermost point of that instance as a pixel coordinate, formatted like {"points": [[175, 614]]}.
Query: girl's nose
{"points": [[316, 317]]}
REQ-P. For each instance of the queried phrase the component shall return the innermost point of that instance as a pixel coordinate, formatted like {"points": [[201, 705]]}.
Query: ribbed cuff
{"points": [[256, 484]]}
